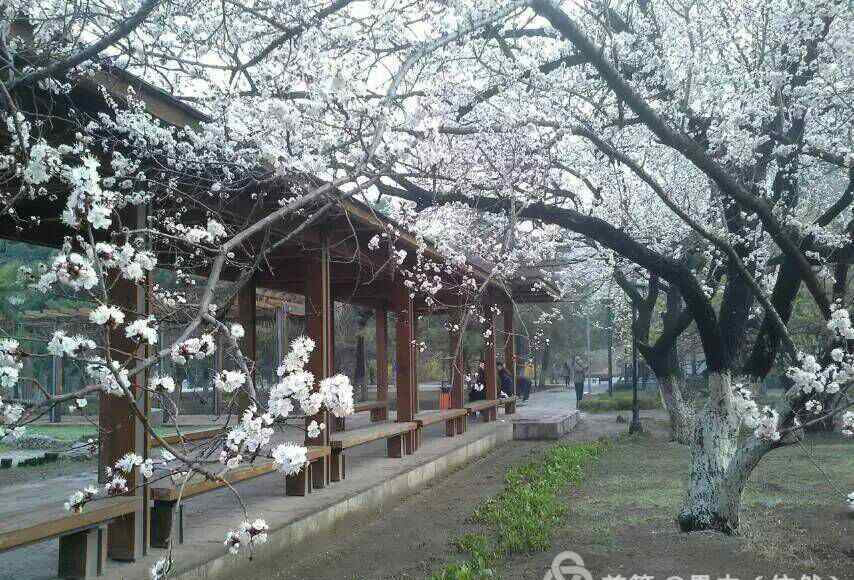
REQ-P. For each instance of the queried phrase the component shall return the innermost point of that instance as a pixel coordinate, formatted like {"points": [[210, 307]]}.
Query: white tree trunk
{"points": [[681, 413], [716, 481]]}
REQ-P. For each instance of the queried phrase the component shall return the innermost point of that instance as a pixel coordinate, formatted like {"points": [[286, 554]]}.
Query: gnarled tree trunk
{"points": [[681, 412], [720, 467]]}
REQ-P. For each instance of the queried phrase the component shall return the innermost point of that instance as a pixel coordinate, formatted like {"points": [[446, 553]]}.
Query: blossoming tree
{"points": [[698, 146]]}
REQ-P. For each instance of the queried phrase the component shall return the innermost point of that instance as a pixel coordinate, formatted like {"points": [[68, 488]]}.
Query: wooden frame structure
{"points": [[325, 263]]}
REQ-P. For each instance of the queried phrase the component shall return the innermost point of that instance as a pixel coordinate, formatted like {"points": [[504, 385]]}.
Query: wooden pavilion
{"points": [[327, 262]]}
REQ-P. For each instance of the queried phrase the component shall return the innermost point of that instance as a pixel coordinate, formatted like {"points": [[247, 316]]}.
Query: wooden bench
{"points": [[188, 436], [166, 492], [82, 537], [487, 409], [454, 419], [395, 434], [378, 409]]}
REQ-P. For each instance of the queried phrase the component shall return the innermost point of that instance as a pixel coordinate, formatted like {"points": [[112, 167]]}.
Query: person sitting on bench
{"points": [[478, 390], [505, 381]]}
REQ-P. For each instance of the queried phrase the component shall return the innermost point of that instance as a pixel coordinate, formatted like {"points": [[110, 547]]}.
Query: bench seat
{"points": [[453, 418], [378, 410], [395, 434], [165, 493], [82, 537], [486, 408], [187, 436]]}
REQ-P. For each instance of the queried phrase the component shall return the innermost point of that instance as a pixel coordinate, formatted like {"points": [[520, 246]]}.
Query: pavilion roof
{"points": [[355, 220]]}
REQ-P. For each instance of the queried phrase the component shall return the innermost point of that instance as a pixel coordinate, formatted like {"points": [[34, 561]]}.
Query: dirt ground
{"points": [[620, 519], [392, 547]]}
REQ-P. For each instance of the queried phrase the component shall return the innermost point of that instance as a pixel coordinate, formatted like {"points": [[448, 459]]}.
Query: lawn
{"points": [[793, 521], [73, 433], [617, 510]]}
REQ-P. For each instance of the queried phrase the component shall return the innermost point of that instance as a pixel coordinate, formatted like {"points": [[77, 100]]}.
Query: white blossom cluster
{"points": [[194, 348], [848, 424], [229, 381], [116, 481], [10, 414], [248, 437], [79, 347], [251, 534], [817, 384], [10, 363], [765, 422]]}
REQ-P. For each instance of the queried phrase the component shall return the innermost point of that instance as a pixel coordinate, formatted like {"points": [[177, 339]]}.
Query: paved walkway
{"points": [[207, 517]]}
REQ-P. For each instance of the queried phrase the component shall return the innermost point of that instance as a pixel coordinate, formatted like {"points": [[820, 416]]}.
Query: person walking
{"points": [[523, 385]]}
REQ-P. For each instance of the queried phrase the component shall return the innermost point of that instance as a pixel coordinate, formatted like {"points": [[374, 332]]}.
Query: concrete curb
{"points": [[283, 539]]}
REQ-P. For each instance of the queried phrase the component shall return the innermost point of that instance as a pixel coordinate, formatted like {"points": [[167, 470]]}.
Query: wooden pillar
{"points": [[458, 368], [219, 366], [56, 387], [416, 355], [490, 360], [318, 303], [281, 334], [509, 345], [120, 430], [381, 316], [404, 322], [248, 317]]}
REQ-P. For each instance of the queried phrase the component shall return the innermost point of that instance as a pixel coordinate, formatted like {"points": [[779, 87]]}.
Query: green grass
{"points": [[71, 433], [790, 513], [620, 401], [524, 516]]}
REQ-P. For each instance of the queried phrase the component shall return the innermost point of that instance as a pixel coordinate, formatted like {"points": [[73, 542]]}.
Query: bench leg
{"points": [[410, 442], [339, 424], [162, 521], [83, 554], [300, 483], [462, 424], [320, 473], [377, 415], [450, 427], [338, 466], [396, 446]]}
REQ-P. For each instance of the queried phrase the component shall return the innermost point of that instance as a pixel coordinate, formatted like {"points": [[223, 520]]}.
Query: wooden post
{"points": [[403, 346], [381, 317], [330, 369], [490, 371], [318, 302], [281, 334], [120, 430], [458, 371], [248, 317], [416, 354], [509, 353], [56, 387], [82, 554], [219, 362]]}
